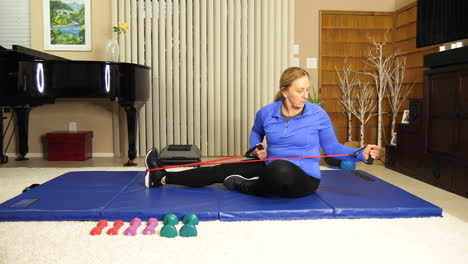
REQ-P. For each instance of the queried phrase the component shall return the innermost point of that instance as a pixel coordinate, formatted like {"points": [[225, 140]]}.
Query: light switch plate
{"points": [[311, 63], [295, 49]]}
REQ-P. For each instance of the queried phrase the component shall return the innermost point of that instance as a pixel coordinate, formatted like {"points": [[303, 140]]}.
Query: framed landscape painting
{"points": [[67, 25]]}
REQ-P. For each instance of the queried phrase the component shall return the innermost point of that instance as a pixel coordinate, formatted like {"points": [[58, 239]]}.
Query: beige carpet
{"points": [[417, 240]]}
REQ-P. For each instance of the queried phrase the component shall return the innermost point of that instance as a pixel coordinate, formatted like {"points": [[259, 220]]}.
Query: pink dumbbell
{"points": [[98, 229], [151, 225], [132, 229], [115, 230]]}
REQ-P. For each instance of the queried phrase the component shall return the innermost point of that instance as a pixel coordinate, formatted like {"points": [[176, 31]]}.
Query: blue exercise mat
{"points": [[95, 195], [73, 196], [357, 194], [139, 201], [235, 207]]}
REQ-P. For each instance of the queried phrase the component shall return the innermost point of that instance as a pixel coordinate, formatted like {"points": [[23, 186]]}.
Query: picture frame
{"points": [[405, 118], [67, 25], [393, 142]]}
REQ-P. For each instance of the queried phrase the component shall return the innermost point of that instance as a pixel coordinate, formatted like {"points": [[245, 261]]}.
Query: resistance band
{"points": [[248, 154]]}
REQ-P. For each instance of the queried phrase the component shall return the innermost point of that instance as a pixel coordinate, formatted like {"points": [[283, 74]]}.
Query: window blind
{"points": [[14, 23], [214, 63]]}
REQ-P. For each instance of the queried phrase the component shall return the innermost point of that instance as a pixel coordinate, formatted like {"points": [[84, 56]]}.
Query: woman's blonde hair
{"points": [[287, 78]]}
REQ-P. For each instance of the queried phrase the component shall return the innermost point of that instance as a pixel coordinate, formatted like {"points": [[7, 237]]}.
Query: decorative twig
{"points": [[364, 106], [346, 85]]}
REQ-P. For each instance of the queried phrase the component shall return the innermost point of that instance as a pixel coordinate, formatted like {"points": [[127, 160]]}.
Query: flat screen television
{"points": [[441, 21]]}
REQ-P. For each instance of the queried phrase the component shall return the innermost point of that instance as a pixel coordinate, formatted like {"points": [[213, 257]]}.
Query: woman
{"points": [[293, 127]]}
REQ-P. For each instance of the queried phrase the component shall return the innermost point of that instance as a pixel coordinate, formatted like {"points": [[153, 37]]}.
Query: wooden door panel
{"points": [[442, 113]]}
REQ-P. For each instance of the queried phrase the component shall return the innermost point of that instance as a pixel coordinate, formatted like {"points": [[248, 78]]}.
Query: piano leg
{"points": [[131, 127], [22, 115], [3, 158]]}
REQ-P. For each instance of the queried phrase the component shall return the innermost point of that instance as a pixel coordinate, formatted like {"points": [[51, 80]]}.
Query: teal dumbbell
{"points": [[169, 230], [170, 219], [189, 229], [190, 219]]}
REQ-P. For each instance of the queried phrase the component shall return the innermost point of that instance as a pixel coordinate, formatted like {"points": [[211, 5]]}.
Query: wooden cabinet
{"points": [[442, 102], [407, 156], [434, 148]]}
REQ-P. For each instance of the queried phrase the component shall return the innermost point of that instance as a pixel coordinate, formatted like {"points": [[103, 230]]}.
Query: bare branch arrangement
{"points": [[347, 84], [383, 65], [364, 106], [388, 73], [396, 92]]}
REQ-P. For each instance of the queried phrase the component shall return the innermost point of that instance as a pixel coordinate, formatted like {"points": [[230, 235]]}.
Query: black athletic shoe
{"points": [[153, 178], [152, 159], [240, 184]]}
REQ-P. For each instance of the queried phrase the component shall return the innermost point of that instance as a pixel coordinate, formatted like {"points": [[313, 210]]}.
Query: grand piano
{"points": [[30, 78]]}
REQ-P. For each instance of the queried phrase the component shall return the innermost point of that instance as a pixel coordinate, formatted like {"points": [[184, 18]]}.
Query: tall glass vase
{"points": [[113, 50]]}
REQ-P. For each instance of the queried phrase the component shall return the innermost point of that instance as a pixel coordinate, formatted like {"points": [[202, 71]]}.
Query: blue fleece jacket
{"points": [[300, 136]]}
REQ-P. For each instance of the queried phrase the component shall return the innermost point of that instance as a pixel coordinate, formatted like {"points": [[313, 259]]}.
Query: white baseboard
{"points": [[29, 155], [103, 154], [44, 155]]}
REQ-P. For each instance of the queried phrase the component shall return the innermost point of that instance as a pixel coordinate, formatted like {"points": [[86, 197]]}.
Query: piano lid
{"points": [[35, 53], [33, 77]]}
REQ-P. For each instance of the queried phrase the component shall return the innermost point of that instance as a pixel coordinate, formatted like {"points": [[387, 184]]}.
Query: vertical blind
{"points": [[214, 63]]}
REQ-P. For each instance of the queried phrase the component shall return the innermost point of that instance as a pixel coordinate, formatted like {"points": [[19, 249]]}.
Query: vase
{"points": [[113, 50]]}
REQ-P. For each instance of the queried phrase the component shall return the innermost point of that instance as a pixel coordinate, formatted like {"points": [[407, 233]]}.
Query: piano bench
{"points": [[65, 146]]}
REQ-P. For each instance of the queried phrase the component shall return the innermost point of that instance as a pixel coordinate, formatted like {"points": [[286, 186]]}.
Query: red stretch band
{"points": [[216, 161], [196, 163]]}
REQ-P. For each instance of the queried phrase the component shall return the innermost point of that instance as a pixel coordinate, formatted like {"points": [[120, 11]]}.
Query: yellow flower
{"points": [[121, 28]]}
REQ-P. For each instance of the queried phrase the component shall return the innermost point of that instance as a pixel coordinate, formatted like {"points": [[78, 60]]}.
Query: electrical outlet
{"points": [[72, 127]]}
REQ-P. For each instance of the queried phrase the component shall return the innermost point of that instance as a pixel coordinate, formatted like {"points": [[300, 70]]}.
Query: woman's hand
{"points": [[372, 150], [261, 154]]}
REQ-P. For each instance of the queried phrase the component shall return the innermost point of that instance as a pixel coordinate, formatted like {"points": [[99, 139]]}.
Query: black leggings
{"points": [[279, 178]]}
